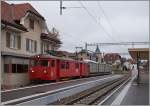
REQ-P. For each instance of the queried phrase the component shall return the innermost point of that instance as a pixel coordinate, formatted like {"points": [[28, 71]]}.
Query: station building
{"points": [[139, 55], [23, 33]]}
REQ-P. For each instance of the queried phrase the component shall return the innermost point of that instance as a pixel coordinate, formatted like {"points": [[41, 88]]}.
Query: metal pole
{"points": [[76, 53], [60, 7], [86, 46], [138, 77]]}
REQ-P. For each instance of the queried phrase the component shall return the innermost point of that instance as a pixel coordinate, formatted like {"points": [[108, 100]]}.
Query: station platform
{"points": [[131, 94], [138, 94]]}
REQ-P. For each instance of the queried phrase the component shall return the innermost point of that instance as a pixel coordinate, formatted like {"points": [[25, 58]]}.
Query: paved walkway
{"points": [[137, 95], [133, 94]]}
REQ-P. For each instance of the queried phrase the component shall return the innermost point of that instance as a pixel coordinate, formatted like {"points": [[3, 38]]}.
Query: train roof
{"points": [[87, 61], [90, 61], [55, 57]]}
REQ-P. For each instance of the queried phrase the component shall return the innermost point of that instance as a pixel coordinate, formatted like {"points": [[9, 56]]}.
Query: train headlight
{"points": [[77, 70], [32, 71], [45, 72]]}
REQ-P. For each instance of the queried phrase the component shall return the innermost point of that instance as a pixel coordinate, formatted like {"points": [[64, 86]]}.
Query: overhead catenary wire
{"points": [[106, 17], [71, 35], [95, 20], [109, 22], [73, 38]]}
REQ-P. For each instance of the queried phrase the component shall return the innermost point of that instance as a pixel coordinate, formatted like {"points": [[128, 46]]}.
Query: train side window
{"points": [[67, 65], [76, 65], [63, 66], [53, 63]]}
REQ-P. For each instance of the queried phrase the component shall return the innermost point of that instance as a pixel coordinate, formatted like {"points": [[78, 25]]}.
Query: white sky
{"points": [[129, 21]]}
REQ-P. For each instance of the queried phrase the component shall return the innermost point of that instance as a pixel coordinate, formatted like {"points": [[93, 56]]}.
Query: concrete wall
{"points": [[14, 80], [2, 69]]}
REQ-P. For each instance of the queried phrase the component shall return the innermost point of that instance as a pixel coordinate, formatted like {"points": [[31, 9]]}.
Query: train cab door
{"points": [[81, 69], [53, 68], [57, 71]]}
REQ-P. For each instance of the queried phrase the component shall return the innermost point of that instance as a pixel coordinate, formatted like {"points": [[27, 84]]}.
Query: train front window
{"points": [[34, 63], [44, 63]]}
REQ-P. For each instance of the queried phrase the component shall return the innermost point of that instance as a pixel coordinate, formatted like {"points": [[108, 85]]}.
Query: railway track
{"points": [[90, 96], [58, 92], [31, 90]]}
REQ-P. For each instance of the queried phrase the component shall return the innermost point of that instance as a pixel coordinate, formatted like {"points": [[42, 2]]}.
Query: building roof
{"points": [[12, 13], [7, 16], [20, 10], [112, 54], [142, 52]]}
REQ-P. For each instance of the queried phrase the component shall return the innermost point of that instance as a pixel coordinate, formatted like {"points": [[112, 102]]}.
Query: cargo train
{"points": [[51, 68]]}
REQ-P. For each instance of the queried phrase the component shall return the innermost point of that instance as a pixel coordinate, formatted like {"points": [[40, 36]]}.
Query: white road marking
{"points": [[113, 92], [41, 85], [121, 96], [35, 95]]}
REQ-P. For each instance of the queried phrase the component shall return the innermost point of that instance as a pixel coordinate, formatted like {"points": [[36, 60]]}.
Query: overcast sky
{"points": [[122, 21]]}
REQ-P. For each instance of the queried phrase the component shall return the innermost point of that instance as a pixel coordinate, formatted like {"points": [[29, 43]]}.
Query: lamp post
{"points": [[138, 62]]}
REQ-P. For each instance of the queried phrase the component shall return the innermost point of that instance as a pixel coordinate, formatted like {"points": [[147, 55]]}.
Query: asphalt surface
{"points": [[135, 95], [15, 94]]}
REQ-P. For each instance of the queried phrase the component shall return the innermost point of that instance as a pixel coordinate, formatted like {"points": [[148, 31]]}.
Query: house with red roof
{"points": [[112, 58], [24, 33]]}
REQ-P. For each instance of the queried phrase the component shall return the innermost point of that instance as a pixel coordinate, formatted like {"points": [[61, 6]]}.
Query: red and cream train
{"points": [[48, 68]]}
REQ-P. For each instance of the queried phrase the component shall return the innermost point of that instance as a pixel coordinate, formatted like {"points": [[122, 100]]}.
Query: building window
{"points": [[81, 59], [16, 68], [19, 68], [25, 67], [31, 45], [45, 47], [96, 59], [6, 68], [31, 24], [13, 40]]}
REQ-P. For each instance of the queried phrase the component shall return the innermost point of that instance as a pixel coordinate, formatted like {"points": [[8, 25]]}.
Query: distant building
{"points": [[23, 33], [112, 58], [98, 55], [89, 55], [84, 55]]}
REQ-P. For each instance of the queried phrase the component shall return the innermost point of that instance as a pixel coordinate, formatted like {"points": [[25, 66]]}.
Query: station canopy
{"points": [[143, 53]]}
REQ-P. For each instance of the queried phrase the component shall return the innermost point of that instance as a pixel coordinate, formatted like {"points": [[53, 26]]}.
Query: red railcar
{"points": [[47, 67]]}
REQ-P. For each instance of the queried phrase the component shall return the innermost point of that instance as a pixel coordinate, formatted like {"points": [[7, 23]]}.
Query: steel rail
{"points": [[51, 96]]}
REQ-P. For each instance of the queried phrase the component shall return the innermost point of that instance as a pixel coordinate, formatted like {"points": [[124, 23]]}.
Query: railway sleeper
{"points": [[79, 96], [91, 99]]}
